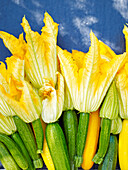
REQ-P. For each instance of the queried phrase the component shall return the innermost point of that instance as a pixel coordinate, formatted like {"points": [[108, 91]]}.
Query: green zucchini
{"points": [[81, 137], [6, 159], [57, 146], [14, 150], [39, 134], [15, 136], [70, 123], [27, 136], [104, 141], [110, 159]]}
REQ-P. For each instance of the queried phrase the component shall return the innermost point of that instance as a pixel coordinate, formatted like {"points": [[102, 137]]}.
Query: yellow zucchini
{"points": [[123, 146], [91, 140], [46, 154]]}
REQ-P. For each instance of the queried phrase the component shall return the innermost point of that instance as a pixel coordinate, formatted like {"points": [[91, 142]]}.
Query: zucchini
{"points": [[14, 150], [39, 134], [110, 159], [57, 146], [6, 159], [123, 146], [104, 141], [15, 136], [70, 123], [27, 136], [81, 137]]}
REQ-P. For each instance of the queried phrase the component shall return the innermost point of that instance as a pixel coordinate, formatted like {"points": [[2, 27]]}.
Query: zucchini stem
{"points": [[81, 137], [104, 141], [38, 131]]}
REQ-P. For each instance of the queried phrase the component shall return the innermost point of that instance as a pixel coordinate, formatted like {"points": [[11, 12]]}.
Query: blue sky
{"points": [[76, 18]]}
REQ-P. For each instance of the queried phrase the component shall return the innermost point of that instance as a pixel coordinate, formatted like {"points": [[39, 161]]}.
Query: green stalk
{"points": [[81, 138], [15, 136], [38, 130], [104, 141], [27, 136]]}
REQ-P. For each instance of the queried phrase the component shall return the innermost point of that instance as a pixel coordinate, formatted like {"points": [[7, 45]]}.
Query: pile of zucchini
{"points": [[68, 110]]}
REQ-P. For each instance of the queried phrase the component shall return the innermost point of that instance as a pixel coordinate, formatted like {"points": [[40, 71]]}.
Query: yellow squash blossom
{"points": [[41, 58], [68, 104], [7, 125], [89, 79], [18, 97], [16, 46], [41, 67], [122, 83]]}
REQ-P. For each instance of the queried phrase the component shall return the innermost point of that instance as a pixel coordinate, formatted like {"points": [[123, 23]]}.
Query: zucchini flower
{"points": [[7, 125], [88, 77], [109, 111], [41, 67], [18, 97], [116, 126], [122, 82], [86, 90]]}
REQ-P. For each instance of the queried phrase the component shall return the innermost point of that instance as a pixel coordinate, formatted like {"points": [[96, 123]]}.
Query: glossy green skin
{"points": [[81, 137], [110, 159], [14, 150], [57, 146], [27, 137], [70, 123], [38, 130], [6, 159], [15, 136], [104, 141]]}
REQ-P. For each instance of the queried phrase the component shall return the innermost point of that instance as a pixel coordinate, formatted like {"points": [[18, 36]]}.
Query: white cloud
{"points": [[83, 25], [80, 4], [83, 5], [19, 2], [38, 17], [16, 2], [62, 29], [122, 7], [36, 3]]}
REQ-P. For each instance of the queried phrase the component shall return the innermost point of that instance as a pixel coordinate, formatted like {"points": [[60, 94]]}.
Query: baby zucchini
{"points": [[6, 159], [57, 146], [15, 136], [27, 136], [14, 150], [110, 159], [70, 128]]}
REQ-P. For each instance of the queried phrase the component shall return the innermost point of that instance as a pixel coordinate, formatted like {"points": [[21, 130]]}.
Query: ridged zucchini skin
{"points": [[70, 123], [14, 150], [57, 146], [27, 136], [110, 159], [6, 159]]}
